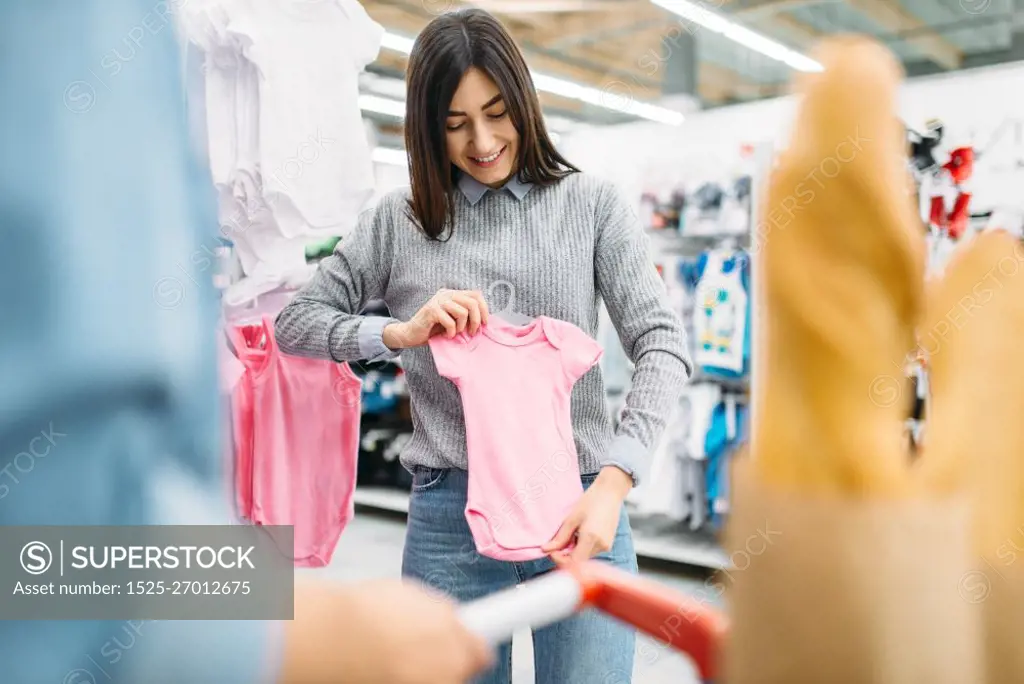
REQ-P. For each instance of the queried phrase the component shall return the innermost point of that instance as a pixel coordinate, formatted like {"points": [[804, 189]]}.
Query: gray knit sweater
{"points": [[563, 248]]}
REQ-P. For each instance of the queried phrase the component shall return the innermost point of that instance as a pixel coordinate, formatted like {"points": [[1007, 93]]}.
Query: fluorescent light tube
{"points": [[738, 33], [389, 155], [571, 90], [382, 105], [397, 43], [606, 98]]}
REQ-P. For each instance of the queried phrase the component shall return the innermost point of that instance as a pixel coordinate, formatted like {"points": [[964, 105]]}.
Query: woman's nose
{"points": [[483, 139]]}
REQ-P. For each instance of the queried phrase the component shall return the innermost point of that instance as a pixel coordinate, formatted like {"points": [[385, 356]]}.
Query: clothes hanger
{"points": [[508, 314]]}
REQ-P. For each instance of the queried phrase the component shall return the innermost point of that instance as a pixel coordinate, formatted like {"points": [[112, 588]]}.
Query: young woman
{"points": [[492, 200]]}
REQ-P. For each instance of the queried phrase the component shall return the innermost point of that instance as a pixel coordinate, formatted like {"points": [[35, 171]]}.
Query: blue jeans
{"points": [[589, 648]]}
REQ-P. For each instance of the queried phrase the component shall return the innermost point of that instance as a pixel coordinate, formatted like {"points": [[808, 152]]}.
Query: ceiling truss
{"points": [[600, 42]]}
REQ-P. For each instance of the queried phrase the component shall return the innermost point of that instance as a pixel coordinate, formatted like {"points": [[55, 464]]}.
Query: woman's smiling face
{"points": [[480, 136]]}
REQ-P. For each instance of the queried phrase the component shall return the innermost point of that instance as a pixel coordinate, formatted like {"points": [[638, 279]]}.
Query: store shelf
{"points": [[382, 498], [680, 549], [664, 546]]}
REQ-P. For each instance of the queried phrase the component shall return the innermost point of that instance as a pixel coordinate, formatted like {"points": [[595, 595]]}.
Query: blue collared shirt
{"points": [[474, 190]]}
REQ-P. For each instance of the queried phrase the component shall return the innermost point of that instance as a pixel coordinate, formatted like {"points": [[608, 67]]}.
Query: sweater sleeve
{"points": [[322, 320], [651, 333]]}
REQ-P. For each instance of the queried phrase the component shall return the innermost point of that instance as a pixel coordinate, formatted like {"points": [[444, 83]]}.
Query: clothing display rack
{"points": [[947, 185], [704, 239]]}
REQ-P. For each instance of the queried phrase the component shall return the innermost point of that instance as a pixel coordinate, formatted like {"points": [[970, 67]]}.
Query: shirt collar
{"points": [[474, 190]]}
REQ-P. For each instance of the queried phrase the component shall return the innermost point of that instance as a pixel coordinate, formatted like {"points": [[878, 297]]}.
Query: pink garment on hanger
{"points": [[230, 368], [238, 484], [298, 420], [516, 384], [242, 426]]}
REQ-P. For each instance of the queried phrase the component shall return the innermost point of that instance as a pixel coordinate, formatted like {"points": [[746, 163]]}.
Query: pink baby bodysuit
{"points": [[516, 383], [299, 424]]}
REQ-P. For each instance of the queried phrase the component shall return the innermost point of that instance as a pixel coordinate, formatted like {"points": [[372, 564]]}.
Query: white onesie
{"points": [[315, 161]]}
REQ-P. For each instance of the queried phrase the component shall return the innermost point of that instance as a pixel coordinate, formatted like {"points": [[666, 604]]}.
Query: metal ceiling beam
{"points": [[761, 7], [781, 26], [410, 20], [1014, 53], [895, 19], [567, 30], [579, 34], [601, 66]]}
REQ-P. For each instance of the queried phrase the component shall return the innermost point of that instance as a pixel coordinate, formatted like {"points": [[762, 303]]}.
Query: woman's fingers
{"points": [[444, 319], [565, 534], [472, 307], [458, 312], [481, 301]]}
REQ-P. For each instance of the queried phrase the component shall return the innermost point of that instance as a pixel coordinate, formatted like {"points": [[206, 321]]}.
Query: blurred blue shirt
{"points": [[108, 399]]}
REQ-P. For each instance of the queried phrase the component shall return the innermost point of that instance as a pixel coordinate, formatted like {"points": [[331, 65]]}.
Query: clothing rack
{"points": [[667, 538]]}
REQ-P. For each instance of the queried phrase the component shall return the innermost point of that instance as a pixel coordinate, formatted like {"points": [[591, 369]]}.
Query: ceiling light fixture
{"points": [[615, 101], [716, 23], [382, 105]]}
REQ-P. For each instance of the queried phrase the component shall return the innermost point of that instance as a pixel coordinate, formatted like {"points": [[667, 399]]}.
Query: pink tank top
{"points": [[516, 384], [297, 435]]}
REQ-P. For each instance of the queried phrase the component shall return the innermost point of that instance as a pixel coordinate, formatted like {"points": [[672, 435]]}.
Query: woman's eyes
{"points": [[459, 126]]}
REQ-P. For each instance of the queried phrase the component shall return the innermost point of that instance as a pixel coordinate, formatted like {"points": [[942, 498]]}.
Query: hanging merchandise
{"points": [[662, 214], [702, 398], [648, 207], [703, 209], [297, 433], [321, 249], [289, 156], [658, 493], [314, 157], [736, 209], [524, 473], [722, 314], [728, 429], [380, 392], [923, 146], [950, 200]]}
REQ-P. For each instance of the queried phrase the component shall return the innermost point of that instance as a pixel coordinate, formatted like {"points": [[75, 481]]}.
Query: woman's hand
{"points": [[448, 312], [594, 519]]}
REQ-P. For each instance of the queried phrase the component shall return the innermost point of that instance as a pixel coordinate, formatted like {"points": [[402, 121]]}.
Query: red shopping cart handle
{"points": [[673, 618]]}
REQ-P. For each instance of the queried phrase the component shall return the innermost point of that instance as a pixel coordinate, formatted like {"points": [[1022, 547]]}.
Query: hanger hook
{"points": [[510, 302]]}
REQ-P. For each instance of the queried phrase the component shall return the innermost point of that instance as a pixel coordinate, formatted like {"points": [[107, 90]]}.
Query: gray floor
{"points": [[371, 547]]}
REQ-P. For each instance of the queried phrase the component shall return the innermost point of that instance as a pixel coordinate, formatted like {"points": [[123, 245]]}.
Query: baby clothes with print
{"points": [[516, 383]]}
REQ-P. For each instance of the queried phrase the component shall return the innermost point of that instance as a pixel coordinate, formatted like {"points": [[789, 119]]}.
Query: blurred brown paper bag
{"points": [[978, 412], [850, 592], [860, 585]]}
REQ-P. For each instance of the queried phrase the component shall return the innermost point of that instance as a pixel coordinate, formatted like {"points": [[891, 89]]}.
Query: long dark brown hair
{"points": [[444, 51]]}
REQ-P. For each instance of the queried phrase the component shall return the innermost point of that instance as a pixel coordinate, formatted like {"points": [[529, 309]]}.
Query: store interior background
{"points": [[658, 102]]}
